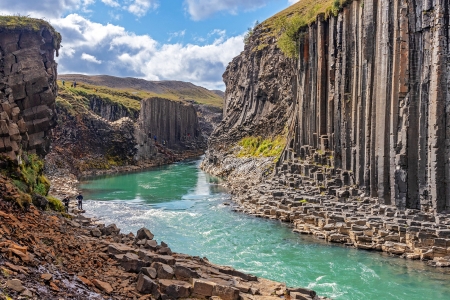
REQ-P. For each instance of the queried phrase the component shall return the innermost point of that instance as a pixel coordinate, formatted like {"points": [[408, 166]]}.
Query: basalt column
{"points": [[373, 96], [173, 124], [27, 87]]}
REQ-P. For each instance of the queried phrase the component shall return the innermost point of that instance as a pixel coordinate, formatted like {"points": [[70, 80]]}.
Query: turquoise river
{"points": [[184, 207]]}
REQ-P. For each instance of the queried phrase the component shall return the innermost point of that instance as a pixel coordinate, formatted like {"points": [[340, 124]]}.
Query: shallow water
{"points": [[183, 207]]}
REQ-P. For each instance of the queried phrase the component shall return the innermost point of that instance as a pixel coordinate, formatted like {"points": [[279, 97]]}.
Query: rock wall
{"points": [[111, 111], [373, 97], [27, 89], [174, 124], [259, 93]]}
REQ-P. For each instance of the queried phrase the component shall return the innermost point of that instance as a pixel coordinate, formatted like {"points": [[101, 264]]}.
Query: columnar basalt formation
{"points": [[170, 123], [111, 111], [373, 96], [27, 88], [259, 94]]}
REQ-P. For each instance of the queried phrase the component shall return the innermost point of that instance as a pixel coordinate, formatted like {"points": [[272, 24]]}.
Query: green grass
{"points": [[287, 24], [259, 147], [26, 23], [55, 204], [129, 98]]}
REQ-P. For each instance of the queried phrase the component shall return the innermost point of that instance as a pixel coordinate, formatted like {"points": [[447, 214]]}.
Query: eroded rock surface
{"points": [[27, 90], [46, 256]]}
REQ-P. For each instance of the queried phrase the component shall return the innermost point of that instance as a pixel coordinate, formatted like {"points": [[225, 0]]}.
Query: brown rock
{"points": [[145, 285], [144, 233], [15, 284], [175, 289], [131, 263], [46, 277], [103, 286], [225, 292], [202, 288]]}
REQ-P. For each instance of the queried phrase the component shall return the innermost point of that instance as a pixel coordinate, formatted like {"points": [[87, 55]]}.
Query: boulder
{"points": [[114, 249], [225, 292], [144, 233], [110, 230], [163, 271], [164, 251], [131, 263], [145, 285], [103, 286], [150, 272], [95, 232], [202, 288], [165, 259], [184, 273], [175, 289], [151, 244], [16, 285], [302, 291]]}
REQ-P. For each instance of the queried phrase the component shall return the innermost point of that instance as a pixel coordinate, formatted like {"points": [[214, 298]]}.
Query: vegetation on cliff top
{"points": [[139, 89], [32, 24], [76, 100], [287, 24], [259, 147]]}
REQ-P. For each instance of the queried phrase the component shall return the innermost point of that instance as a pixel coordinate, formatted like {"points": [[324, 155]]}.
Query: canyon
{"points": [[361, 108]]}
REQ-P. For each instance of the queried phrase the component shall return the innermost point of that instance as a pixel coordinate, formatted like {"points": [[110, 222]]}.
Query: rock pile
{"points": [[46, 256]]}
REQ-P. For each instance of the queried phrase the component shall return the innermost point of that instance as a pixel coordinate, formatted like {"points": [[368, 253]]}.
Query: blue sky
{"points": [[188, 40]]}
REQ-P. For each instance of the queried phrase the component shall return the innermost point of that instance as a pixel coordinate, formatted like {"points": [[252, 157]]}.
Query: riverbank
{"points": [[345, 216], [46, 255], [64, 181]]}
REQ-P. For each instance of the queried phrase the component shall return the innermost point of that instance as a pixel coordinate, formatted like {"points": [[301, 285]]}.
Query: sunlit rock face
{"points": [[27, 90]]}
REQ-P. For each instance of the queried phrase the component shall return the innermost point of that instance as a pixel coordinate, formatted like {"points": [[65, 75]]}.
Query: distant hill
{"points": [[175, 90]]}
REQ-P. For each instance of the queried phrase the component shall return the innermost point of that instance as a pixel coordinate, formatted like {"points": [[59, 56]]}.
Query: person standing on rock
{"points": [[80, 201], [66, 201]]}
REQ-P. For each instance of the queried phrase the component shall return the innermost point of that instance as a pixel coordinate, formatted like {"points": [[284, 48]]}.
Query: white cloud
{"points": [[140, 7], [90, 58], [41, 9], [111, 3], [93, 48], [178, 34], [292, 1], [201, 9]]}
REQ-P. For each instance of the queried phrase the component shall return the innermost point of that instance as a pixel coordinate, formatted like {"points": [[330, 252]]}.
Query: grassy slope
{"points": [[76, 100], [139, 89], [308, 9]]}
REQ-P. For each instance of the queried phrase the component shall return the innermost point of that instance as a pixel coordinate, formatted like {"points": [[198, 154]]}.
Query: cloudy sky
{"points": [[188, 40]]}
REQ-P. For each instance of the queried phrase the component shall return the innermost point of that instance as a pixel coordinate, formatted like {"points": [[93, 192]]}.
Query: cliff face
{"points": [[111, 111], [370, 101], [27, 89], [174, 124], [259, 92], [374, 92]]}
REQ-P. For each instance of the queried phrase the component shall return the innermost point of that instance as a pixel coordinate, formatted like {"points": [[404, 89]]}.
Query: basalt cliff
{"points": [[27, 87], [363, 106]]}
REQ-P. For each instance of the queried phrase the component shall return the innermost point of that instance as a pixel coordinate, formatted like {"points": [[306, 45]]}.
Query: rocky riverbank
{"points": [[45, 255], [337, 215]]}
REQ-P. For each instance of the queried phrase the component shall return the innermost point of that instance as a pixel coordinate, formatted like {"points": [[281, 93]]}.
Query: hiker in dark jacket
{"points": [[80, 201], [66, 201]]}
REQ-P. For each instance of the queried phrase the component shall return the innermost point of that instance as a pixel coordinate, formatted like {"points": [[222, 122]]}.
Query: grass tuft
{"points": [[287, 24], [259, 147]]}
